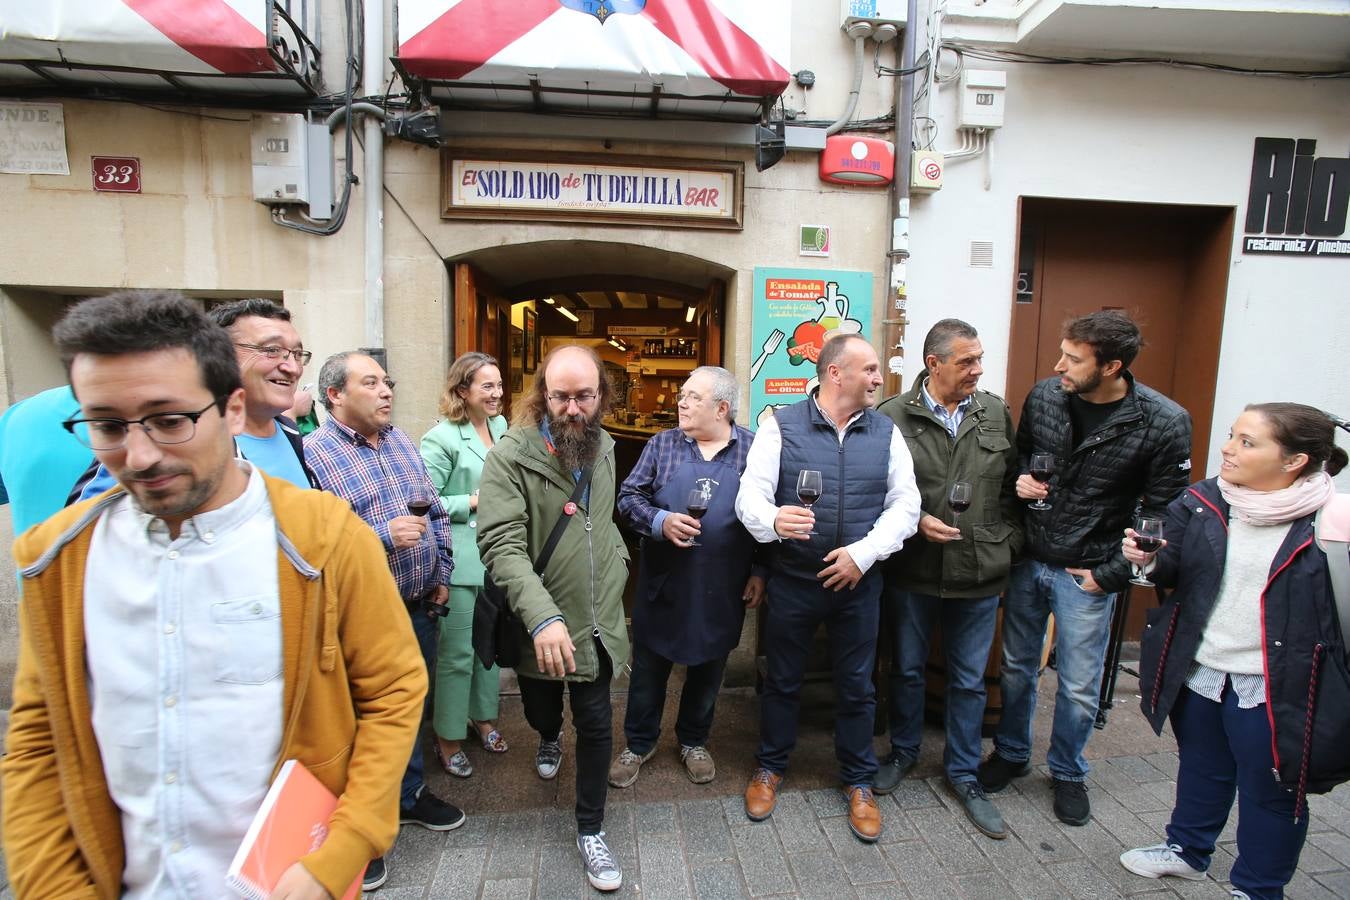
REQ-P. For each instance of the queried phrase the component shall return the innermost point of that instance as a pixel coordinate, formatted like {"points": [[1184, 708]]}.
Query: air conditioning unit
{"points": [[877, 12]]}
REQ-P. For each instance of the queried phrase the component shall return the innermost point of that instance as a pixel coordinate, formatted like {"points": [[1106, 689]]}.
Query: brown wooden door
{"points": [[1165, 266], [482, 320]]}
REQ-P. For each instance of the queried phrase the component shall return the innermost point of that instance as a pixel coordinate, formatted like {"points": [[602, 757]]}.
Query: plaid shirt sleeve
{"points": [[637, 494], [375, 480]]}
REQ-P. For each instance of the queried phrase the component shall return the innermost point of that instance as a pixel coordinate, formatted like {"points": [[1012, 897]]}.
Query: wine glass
{"points": [[809, 486], [1042, 467], [419, 499], [958, 498], [1148, 537], [697, 505]]}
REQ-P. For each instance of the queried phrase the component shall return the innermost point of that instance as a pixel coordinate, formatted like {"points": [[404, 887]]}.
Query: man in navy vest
{"points": [[823, 567]]}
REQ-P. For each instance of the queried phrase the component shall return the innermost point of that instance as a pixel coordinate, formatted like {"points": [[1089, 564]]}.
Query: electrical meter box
{"points": [[926, 174], [292, 162], [877, 12], [982, 96]]}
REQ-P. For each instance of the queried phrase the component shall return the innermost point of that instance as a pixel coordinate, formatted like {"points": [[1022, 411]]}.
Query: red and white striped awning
{"points": [[593, 53], [136, 43]]}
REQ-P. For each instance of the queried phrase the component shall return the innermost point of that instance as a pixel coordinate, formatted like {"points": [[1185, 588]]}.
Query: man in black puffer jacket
{"points": [[1118, 446]]}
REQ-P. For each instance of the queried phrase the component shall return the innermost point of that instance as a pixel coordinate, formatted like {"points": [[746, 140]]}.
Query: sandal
{"points": [[458, 764], [493, 742]]}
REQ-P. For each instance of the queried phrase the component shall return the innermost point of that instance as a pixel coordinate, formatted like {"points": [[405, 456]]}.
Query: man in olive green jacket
{"points": [[957, 434], [573, 610]]}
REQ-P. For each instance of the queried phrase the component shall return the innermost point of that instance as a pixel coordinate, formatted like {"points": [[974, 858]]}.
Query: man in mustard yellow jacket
{"points": [[184, 634]]}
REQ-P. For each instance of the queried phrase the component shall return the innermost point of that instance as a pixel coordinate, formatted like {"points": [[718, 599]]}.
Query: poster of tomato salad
{"points": [[796, 311]]}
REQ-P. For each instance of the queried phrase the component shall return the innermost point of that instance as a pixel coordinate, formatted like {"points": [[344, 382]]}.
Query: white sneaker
{"points": [[601, 869], [1155, 862]]}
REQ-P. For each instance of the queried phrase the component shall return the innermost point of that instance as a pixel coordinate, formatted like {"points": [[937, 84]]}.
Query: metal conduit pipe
{"points": [[339, 115], [859, 31], [897, 258], [372, 78]]}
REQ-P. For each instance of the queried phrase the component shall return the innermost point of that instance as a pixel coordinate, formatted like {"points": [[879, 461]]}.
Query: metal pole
{"points": [[897, 257], [372, 78]]}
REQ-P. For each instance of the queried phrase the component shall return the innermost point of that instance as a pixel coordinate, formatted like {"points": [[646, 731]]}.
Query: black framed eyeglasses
{"points": [[276, 352], [581, 398], [162, 428]]}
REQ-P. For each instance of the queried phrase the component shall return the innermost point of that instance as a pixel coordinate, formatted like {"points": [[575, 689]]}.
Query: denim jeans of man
{"points": [[424, 628], [967, 633], [1082, 631], [591, 719], [1225, 750], [647, 700], [851, 617]]}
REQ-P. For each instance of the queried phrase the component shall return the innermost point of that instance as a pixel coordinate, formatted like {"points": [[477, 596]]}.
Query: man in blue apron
{"points": [[861, 508], [696, 579]]}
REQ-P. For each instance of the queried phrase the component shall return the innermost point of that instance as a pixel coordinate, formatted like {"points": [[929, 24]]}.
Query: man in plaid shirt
{"points": [[374, 466]]}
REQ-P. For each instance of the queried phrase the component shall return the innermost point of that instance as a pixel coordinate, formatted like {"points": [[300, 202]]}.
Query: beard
{"points": [[576, 439], [1085, 385]]}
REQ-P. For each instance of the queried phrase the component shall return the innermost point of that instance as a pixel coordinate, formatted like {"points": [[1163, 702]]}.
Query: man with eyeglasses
{"points": [[271, 357], [695, 581], [358, 455], [573, 609], [185, 634]]}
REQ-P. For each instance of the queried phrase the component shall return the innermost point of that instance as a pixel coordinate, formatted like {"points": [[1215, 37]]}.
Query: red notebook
{"points": [[292, 822]]}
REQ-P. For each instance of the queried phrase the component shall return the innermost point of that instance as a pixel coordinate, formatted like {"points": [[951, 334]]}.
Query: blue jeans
{"points": [[647, 700], [1082, 631], [1226, 750], [424, 627], [796, 607], [967, 633]]}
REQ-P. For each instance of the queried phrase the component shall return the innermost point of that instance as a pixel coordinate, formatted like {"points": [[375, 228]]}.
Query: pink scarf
{"points": [[1306, 495]]}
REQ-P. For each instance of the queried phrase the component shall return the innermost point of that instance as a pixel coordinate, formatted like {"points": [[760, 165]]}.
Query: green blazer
{"points": [[454, 456]]}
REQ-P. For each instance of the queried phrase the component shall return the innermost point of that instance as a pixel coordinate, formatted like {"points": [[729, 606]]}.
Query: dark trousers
{"points": [[592, 719], [1224, 751], [647, 700], [424, 627], [797, 606]]}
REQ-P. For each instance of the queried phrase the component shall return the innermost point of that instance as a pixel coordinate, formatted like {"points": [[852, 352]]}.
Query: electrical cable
{"points": [[985, 53]]}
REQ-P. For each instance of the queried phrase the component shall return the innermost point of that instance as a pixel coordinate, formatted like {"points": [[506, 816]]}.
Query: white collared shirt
{"points": [[757, 509], [183, 649]]}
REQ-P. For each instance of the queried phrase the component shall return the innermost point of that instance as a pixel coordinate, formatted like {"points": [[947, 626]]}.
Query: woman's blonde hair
{"points": [[461, 375]]}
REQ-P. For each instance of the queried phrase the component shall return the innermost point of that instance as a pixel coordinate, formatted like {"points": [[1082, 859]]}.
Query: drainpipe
{"points": [[372, 78], [897, 258]]}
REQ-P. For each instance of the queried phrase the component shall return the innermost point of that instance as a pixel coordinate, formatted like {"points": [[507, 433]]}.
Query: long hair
{"points": [[1304, 429], [534, 406], [461, 375]]}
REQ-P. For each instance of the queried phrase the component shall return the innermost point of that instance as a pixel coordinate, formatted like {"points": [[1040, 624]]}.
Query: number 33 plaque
{"points": [[121, 174]]}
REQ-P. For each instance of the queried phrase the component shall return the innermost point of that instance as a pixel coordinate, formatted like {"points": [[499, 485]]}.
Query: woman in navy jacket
{"points": [[1246, 656]]}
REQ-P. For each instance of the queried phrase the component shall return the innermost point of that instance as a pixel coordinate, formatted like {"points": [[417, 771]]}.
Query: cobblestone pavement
{"points": [[679, 840], [708, 849]]}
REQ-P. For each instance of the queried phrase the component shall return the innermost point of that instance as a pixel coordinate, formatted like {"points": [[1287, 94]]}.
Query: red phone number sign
{"points": [[120, 174]]}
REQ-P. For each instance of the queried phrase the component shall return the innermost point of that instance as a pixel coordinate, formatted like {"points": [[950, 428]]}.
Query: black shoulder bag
{"points": [[498, 633]]}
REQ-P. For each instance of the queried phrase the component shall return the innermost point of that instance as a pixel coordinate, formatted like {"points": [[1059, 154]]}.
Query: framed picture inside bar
{"points": [[531, 358], [607, 190]]}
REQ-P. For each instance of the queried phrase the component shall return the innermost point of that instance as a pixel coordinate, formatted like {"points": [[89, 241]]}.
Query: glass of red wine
{"points": [[809, 486], [1042, 467], [697, 505], [958, 498], [1148, 537], [419, 499]]}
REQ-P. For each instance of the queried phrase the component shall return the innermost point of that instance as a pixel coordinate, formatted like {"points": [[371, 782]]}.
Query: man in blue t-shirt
{"points": [[271, 359], [39, 460]]}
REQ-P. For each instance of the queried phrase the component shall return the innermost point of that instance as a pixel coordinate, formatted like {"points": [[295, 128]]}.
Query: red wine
{"points": [[959, 506], [1147, 544], [698, 511], [419, 509], [1042, 475], [807, 496]]}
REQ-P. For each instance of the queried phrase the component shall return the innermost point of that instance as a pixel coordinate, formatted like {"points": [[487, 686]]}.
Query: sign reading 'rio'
{"points": [[1297, 203]]}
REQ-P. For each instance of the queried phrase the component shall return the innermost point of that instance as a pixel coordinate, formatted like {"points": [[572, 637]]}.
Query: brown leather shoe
{"points": [[761, 794], [864, 818]]}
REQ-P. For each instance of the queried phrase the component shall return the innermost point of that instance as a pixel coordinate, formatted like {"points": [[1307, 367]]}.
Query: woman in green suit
{"points": [[465, 693]]}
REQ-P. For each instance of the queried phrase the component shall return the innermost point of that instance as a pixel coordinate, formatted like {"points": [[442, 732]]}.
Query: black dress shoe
{"points": [[891, 772]]}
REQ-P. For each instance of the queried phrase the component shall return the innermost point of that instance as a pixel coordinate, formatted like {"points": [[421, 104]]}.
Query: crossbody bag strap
{"points": [[556, 534], [1338, 565]]}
